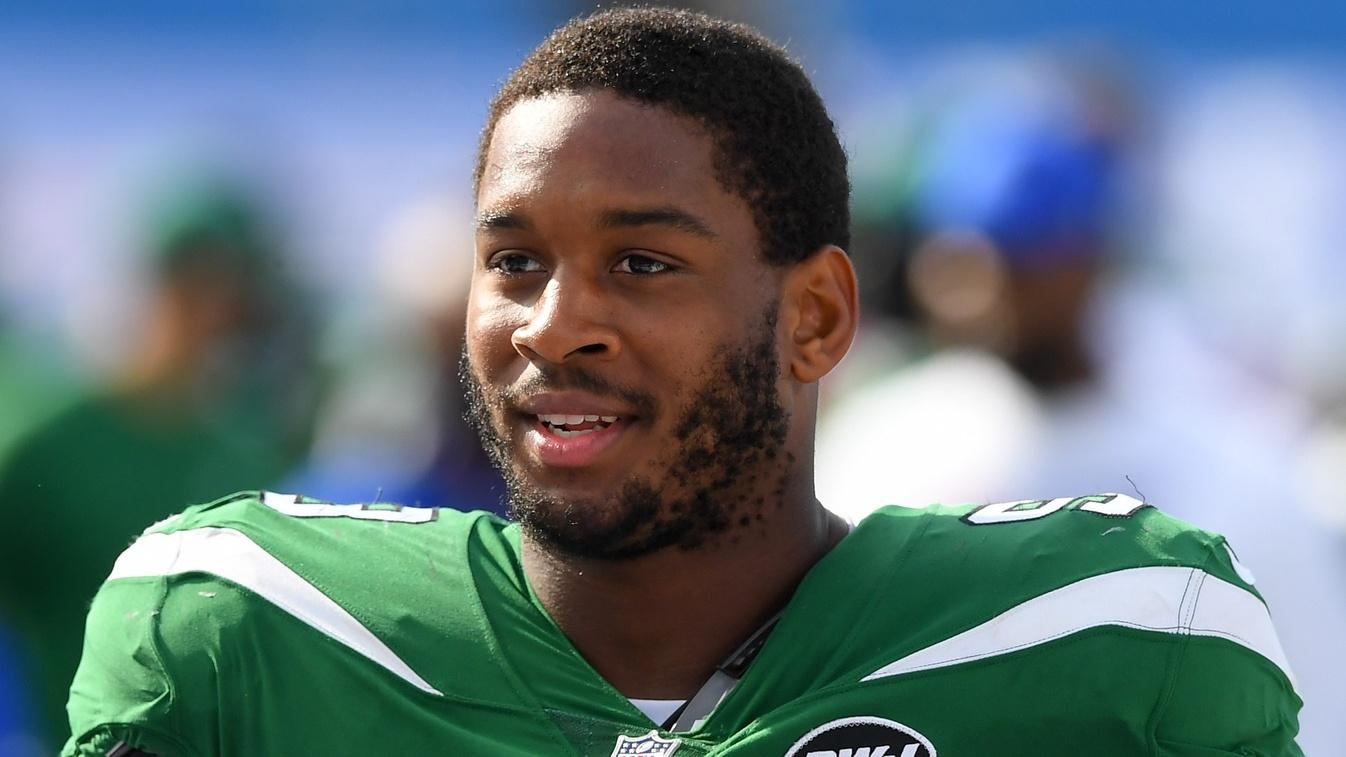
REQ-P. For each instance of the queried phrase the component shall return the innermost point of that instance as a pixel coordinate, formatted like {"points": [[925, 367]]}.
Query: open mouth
{"points": [[571, 429], [572, 441], [566, 426]]}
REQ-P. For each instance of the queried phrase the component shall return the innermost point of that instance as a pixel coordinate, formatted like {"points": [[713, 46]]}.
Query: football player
{"points": [[660, 284]]}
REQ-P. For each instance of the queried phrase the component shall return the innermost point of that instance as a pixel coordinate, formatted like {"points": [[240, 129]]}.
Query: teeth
{"points": [[558, 422], [571, 420]]}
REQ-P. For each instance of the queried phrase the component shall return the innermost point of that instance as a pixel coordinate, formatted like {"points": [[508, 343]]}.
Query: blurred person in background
{"points": [[986, 273], [211, 397], [1032, 365], [392, 428]]}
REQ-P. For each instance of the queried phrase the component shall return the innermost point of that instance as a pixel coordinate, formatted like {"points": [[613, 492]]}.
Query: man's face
{"points": [[621, 358]]}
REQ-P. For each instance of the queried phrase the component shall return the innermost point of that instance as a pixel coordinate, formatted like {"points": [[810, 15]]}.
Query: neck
{"points": [[655, 627]]}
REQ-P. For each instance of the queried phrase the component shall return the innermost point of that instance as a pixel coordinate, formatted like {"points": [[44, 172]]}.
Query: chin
{"points": [[586, 487], [620, 521]]}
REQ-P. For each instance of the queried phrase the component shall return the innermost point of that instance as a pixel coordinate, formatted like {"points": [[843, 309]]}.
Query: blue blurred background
{"points": [[1099, 246]]}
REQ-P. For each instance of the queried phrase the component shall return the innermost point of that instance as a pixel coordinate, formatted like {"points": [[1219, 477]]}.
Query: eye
{"points": [[512, 261], [641, 265]]}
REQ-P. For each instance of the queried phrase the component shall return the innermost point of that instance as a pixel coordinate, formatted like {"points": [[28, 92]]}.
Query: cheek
{"points": [[489, 333]]}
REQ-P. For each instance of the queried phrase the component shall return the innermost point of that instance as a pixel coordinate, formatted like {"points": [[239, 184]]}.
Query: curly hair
{"points": [[775, 145]]}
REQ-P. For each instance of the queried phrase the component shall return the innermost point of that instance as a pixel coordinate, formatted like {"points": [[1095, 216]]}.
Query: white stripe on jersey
{"points": [[232, 556], [1161, 598]]}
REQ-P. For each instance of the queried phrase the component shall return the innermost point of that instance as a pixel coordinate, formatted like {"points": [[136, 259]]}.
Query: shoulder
{"points": [[1100, 607], [260, 584], [262, 552], [989, 578], [1058, 540], [283, 549], [1009, 554]]}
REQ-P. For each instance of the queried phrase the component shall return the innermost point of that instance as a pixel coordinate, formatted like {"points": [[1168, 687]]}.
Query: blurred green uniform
{"points": [[31, 388]]}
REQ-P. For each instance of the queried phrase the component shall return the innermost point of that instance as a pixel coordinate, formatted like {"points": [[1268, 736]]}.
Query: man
{"points": [[660, 284]]}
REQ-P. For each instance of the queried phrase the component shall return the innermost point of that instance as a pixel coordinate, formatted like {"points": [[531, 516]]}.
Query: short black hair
{"points": [[775, 145]]}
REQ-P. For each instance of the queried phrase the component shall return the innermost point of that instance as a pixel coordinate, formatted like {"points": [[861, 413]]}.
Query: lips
{"points": [[571, 429], [573, 445]]}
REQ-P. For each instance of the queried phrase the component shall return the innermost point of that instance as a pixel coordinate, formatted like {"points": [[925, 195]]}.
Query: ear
{"points": [[821, 312]]}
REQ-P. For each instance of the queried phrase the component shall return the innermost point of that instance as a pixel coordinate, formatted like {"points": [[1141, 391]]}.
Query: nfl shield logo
{"points": [[649, 745]]}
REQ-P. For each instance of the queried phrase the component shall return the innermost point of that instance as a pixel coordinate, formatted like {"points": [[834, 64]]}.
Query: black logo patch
{"points": [[862, 737]]}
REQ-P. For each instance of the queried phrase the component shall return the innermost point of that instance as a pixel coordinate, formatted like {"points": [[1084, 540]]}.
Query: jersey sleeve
{"points": [[1232, 691], [123, 692]]}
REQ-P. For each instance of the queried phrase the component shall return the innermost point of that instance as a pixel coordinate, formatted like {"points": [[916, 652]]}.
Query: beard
{"points": [[729, 434]]}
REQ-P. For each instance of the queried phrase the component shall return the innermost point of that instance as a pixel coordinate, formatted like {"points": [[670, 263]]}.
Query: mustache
{"points": [[553, 378]]}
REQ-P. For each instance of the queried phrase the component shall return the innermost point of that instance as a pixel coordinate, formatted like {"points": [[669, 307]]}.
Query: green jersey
{"points": [[268, 624]]}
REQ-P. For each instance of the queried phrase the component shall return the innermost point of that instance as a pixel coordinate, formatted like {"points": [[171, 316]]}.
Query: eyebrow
{"points": [[670, 216], [501, 219], [617, 218]]}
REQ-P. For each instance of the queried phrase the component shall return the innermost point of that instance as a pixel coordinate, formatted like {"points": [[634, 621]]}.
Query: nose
{"points": [[570, 318]]}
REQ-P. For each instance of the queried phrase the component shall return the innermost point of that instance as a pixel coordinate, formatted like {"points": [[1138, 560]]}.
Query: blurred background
{"points": [[1099, 250]]}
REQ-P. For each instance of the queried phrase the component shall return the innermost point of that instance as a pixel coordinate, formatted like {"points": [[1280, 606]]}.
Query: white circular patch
{"points": [[862, 735]]}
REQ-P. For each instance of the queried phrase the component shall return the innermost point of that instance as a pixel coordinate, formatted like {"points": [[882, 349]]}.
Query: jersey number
{"points": [[290, 504], [1111, 505]]}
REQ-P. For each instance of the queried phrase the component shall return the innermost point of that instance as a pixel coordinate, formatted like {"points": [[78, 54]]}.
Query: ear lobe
{"points": [[824, 312]]}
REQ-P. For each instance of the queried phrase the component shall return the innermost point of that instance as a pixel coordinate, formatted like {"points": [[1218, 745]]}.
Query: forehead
{"points": [[596, 140]]}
